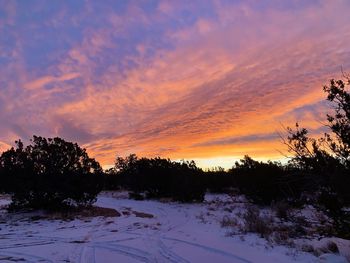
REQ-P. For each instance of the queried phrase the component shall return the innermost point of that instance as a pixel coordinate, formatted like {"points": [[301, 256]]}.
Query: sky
{"points": [[203, 80]]}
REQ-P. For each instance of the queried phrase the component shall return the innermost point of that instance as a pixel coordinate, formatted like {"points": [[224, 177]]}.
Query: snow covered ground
{"points": [[146, 231]]}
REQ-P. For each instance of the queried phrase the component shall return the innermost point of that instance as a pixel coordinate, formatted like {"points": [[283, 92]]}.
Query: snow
{"points": [[176, 233], [4, 200], [332, 258]]}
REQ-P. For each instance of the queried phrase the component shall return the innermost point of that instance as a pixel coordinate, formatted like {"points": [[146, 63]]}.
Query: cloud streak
{"points": [[177, 79]]}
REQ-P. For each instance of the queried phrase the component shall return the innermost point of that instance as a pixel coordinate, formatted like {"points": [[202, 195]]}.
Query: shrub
{"points": [[263, 182], [136, 196], [282, 209], [255, 223], [50, 174], [217, 180], [329, 201], [160, 178], [228, 221], [332, 247]]}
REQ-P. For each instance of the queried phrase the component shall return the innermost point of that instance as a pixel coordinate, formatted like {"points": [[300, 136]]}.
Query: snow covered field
{"points": [[146, 231]]}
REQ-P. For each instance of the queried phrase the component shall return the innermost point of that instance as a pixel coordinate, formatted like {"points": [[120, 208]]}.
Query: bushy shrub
{"points": [[282, 209], [266, 182], [136, 196], [256, 223], [50, 174], [329, 201], [158, 178], [218, 181]]}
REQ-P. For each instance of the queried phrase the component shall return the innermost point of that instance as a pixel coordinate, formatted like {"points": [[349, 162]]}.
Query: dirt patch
{"points": [[126, 213], [37, 217], [98, 211], [82, 213], [93, 211], [142, 215]]}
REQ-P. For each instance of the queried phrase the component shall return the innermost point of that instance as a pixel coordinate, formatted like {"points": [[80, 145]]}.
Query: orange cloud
{"points": [[221, 87], [192, 95], [4, 146]]}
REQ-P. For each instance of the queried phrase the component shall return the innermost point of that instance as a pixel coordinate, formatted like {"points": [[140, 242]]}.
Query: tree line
{"points": [[51, 173]]}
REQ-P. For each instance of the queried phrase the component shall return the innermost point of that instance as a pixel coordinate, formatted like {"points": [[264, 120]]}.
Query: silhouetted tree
{"points": [[263, 182], [50, 173], [158, 177], [309, 154], [327, 158], [339, 122]]}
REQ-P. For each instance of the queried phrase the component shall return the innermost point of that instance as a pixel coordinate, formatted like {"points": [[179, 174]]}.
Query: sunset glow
{"points": [[204, 80]]}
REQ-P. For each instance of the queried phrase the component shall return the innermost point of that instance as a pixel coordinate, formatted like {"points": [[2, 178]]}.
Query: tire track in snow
{"points": [[27, 244], [24, 256], [169, 254], [210, 249], [164, 252], [172, 220], [135, 253], [86, 253]]}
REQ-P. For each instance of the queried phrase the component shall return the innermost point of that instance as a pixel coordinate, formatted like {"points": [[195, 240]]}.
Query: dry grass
{"points": [[229, 221], [282, 209], [330, 247], [88, 212], [255, 223]]}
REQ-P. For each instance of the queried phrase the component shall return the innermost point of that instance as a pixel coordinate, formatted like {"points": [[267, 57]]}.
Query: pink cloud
{"points": [[41, 82], [238, 75]]}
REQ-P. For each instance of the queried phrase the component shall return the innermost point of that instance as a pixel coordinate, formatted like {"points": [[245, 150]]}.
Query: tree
{"points": [[339, 122], [332, 149], [50, 173], [259, 181], [158, 178], [309, 154], [327, 158]]}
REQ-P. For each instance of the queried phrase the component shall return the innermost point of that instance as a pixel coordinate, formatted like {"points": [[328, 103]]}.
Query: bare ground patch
{"points": [[142, 214], [93, 211]]}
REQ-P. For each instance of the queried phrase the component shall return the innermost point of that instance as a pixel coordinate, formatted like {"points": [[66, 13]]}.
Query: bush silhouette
{"points": [[158, 178], [266, 182], [50, 174]]}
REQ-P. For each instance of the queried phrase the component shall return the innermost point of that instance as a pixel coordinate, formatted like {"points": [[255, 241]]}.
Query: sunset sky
{"points": [[204, 80]]}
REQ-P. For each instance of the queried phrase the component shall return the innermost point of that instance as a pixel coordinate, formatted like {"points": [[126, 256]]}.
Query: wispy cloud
{"points": [[43, 81], [174, 78]]}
